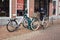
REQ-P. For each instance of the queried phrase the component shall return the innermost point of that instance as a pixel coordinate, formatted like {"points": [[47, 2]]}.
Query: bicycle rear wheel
{"points": [[12, 26], [35, 24]]}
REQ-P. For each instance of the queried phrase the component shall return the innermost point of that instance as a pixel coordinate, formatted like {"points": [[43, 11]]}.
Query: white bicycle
{"points": [[37, 23]]}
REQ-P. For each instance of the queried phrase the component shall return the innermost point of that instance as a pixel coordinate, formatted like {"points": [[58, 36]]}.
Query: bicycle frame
{"points": [[44, 17], [27, 18]]}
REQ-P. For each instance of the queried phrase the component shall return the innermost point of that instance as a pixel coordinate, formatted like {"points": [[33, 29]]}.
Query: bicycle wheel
{"points": [[46, 24], [12, 26], [25, 23], [35, 24]]}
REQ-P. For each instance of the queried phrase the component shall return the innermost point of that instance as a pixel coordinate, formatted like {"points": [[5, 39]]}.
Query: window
{"points": [[21, 7], [38, 4], [54, 7], [4, 8]]}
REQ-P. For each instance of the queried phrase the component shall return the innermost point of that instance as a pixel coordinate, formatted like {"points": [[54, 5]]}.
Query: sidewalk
{"points": [[52, 33], [5, 34]]}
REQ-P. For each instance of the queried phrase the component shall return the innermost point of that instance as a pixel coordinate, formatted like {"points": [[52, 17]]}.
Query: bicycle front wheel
{"points": [[35, 24], [25, 23], [12, 26]]}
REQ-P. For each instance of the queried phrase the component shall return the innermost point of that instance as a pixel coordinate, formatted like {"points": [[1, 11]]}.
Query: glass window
{"points": [[41, 4], [25, 3], [21, 7], [54, 7], [4, 8]]}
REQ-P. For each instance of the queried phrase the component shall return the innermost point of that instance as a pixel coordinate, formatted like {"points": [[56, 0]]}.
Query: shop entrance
{"points": [[39, 4]]}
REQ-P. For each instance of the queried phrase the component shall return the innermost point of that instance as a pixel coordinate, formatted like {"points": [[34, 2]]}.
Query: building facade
{"points": [[14, 8]]}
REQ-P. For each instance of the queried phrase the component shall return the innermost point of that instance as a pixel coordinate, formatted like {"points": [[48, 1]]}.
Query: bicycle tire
{"points": [[35, 24], [13, 25], [25, 23]]}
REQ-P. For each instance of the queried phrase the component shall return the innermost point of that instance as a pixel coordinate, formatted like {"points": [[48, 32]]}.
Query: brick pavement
{"points": [[52, 33], [4, 34]]}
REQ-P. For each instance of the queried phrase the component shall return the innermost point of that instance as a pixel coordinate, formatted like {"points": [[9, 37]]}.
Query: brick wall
{"points": [[31, 7], [13, 8], [50, 9]]}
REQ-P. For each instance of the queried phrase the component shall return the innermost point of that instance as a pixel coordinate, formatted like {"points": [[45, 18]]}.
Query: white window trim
{"points": [[27, 8], [10, 2], [10, 8], [56, 7]]}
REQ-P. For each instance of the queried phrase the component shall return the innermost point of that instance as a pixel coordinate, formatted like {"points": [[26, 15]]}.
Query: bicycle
{"points": [[37, 23], [26, 22]]}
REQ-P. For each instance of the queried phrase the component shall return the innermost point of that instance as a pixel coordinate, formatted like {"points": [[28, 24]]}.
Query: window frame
{"points": [[27, 10], [10, 3]]}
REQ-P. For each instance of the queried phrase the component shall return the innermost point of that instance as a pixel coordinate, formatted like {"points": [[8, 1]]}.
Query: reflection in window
{"points": [[4, 8], [19, 11], [54, 7], [38, 4]]}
